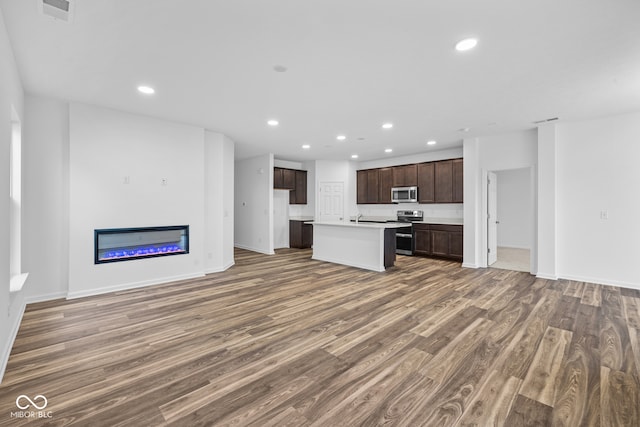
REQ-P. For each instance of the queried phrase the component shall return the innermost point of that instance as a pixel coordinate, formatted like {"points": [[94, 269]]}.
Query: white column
{"points": [[472, 203], [547, 190]]}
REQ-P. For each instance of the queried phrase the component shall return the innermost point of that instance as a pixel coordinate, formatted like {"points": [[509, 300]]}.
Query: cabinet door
{"points": [[426, 185], [307, 235], [277, 178], [362, 177], [421, 240], [398, 176], [410, 175], [456, 244], [444, 181], [385, 182], [299, 195], [457, 181], [295, 234], [372, 186], [289, 179], [440, 242]]}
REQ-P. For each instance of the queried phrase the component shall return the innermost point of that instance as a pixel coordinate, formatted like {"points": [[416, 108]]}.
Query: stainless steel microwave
{"points": [[404, 195]]}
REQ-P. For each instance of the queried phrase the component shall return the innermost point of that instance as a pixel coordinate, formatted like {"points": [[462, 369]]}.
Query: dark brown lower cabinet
{"points": [[300, 234], [437, 240]]}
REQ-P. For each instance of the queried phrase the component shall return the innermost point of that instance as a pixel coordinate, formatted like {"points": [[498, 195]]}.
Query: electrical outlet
{"points": [[163, 181], [126, 180], [604, 214]]}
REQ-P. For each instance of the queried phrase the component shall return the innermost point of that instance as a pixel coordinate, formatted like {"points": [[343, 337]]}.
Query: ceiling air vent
{"points": [[58, 9]]}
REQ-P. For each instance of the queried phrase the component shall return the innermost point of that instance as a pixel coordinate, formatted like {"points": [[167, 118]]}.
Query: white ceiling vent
{"points": [[58, 9]]}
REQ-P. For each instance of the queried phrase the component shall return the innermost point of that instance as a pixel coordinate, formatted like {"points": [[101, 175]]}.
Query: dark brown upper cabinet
{"points": [[368, 186], [444, 181], [361, 183], [372, 186], [458, 185], [294, 180], [385, 182], [284, 179], [405, 176], [298, 196], [426, 183]]}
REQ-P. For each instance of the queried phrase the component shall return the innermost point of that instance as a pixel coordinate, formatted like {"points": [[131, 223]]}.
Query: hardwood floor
{"points": [[286, 341]]}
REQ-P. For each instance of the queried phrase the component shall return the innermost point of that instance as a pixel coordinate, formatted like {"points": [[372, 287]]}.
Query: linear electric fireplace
{"points": [[124, 244]]}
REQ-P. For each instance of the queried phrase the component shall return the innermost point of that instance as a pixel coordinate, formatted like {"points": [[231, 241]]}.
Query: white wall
{"points": [[492, 153], [46, 197], [597, 170], [228, 213], [547, 202], [105, 147], [515, 212], [218, 199], [254, 204], [11, 96]]}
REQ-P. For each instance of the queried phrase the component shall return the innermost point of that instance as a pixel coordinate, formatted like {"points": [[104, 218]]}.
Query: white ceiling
{"points": [[352, 65]]}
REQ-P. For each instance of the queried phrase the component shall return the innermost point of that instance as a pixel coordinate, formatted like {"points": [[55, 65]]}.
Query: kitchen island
{"points": [[371, 246]]}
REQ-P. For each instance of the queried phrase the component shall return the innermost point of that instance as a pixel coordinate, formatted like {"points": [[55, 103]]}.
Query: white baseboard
{"points": [[252, 249], [46, 297], [470, 265], [546, 276], [6, 349], [133, 285], [219, 269], [514, 247], [600, 281]]}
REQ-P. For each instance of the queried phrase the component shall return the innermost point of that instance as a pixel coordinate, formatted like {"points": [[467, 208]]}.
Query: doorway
{"points": [[510, 219]]}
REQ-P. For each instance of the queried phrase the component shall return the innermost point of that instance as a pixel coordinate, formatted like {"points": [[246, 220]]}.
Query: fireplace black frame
{"points": [[182, 249]]}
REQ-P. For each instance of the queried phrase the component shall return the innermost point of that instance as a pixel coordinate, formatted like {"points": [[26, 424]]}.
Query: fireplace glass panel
{"points": [[124, 244]]}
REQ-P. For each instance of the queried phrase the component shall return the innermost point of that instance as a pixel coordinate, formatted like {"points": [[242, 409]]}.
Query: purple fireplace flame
{"points": [[123, 244]]}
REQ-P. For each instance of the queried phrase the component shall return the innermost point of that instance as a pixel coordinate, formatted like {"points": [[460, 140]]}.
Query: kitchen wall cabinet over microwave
{"points": [[404, 195], [437, 182]]}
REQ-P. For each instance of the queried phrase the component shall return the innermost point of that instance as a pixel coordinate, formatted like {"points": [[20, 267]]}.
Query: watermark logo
{"points": [[24, 397], [27, 406]]}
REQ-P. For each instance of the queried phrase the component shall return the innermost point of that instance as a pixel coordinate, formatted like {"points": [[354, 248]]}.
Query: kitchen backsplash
{"points": [[430, 210]]}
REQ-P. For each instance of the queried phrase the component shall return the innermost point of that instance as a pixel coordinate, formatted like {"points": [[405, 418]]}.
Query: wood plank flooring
{"points": [[283, 340]]}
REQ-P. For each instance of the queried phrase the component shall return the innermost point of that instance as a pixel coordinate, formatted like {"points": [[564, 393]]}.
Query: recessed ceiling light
{"points": [[463, 130], [354, 156], [341, 137], [280, 69], [147, 90], [466, 44], [361, 138], [388, 150], [387, 126], [306, 146], [273, 123], [432, 142]]}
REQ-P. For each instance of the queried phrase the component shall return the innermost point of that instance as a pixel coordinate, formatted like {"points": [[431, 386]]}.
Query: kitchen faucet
{"points": [[358, 217]]}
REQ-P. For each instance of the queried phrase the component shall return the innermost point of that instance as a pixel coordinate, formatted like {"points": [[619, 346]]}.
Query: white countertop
{"points": [[300, 218], [442, 221], [376, 225]]}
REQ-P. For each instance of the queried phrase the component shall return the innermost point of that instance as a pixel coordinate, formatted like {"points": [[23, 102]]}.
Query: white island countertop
{"points": [[367, 245], [442, 221], [377, 225]]}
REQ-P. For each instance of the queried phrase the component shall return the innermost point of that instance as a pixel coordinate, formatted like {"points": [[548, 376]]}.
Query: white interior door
{"points": [[280, 219], [331, 197], [492, 218]]}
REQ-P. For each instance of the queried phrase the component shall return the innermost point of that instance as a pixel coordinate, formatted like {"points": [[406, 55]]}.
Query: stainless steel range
{"points": [[404, 235]]}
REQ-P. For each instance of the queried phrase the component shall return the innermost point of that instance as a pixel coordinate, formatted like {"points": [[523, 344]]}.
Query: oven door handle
{"points": [[403, 235]]}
